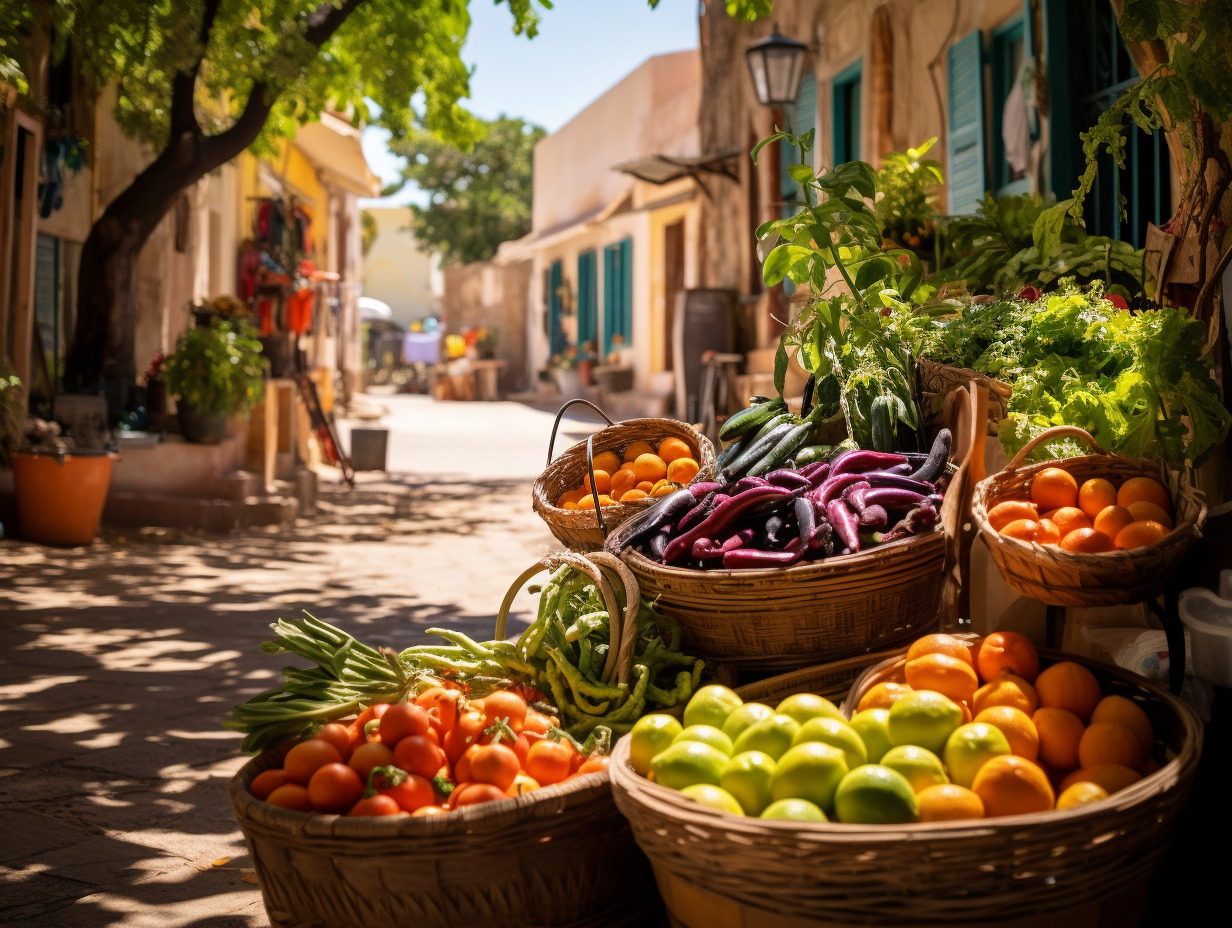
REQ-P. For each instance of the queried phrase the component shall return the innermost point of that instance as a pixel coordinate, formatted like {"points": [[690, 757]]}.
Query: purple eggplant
{"points": [[834, 486], [708, 549], [897, 482], [724, 514], [845, 524], [664, 513], [893, 500], [700, 511], [822, 539], [806, 519], [788, 478], [774, 525], [751, 558], [704, 489], [874, 518], [811, 471], [860, 461], [658, 544], [934, 465], [923, 518], [854, 495]]}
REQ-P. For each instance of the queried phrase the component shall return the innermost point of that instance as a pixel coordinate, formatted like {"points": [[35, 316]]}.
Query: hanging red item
{"points": [[299, 310], [264, 315]]}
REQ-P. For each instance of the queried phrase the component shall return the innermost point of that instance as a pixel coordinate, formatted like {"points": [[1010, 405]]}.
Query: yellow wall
{"points": [[290, 165]]}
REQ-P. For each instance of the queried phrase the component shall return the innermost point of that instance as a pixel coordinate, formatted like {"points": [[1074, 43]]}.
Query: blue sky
{"points": [[583, 48]]}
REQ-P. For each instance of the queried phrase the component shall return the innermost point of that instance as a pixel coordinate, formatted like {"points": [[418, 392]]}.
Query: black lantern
{"points": [[777, 66]]}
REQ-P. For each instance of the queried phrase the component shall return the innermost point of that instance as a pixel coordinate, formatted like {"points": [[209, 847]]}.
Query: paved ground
{"points": [[118, 662]]}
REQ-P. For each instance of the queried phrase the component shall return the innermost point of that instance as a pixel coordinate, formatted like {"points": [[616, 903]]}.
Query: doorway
{"points": [[673, 283]]}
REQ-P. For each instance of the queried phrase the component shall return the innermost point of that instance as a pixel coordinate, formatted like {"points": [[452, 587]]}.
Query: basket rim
{"points": [[1167, 777], [459, 821]]}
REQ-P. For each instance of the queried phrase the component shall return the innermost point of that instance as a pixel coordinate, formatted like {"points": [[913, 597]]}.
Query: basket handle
{"points": [[594, 491], [561, 414], [1057, 431], [620, 658]]}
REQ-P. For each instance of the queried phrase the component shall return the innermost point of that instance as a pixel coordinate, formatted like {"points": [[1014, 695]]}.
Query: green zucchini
{"points": [[766, 440], [810, 454], [882, 420], [746, 420]]}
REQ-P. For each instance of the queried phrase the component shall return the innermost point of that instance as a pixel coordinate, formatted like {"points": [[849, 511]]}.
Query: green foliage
{"points": [[850, 341], [479, 197], [367, 232], [217, 369], [907, 194], [12, 412]]}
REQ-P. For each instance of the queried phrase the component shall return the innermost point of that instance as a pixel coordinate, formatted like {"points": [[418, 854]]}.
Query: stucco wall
{"points": [[397, 270], [493, 295]]}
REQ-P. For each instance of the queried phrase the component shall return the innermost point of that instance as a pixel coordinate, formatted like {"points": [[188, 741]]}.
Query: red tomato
{"points": [[265, 783], [290, 796], [419, 755], [462, 769], [429, 810], [466, 731], [537, 723], [594, 764], [522, 784], [411, 794], [367, 756], [335, 788], [470, 794], [444, 703], [402, 721], [339, 736], [307, 757], [505, 705], [378, 805], [496, 764], [374, 711], [521, 747], [549, 762]]}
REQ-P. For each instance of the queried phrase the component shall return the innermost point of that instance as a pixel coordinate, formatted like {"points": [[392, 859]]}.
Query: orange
{"points": [[1112, 777], [1144, 509], [1006, 689], [1112, 519], [632, 496], [636, 449], [1068, 518], [567, 505], [1017, 727], [1081, 794], [1007, 651], [663, 488], [1143, 488], [1096, 495], [649, 467], [1140, 534], [569, 496], [1066, 685], [1053, 488], [1011, 785], [623, 480], [1060, 733], [949, 676], [1023, 530], [646, 486], [948, 802], [605, 500], [682, 470], [1086, 541], [671, 449], [608, 461], [1049, 533], [1106, 743], [941, 644], [603, 480], [883, 695], [1009, 511], [1121, 711]]}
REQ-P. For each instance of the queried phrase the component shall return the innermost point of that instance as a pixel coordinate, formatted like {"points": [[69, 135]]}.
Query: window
{"points": [[617, 293], [1008, 54], [845, 91], [587, 298], [965, 139], [801, 119]]}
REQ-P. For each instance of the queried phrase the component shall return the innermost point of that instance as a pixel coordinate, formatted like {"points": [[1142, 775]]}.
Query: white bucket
{"points": [[1209, 620]]}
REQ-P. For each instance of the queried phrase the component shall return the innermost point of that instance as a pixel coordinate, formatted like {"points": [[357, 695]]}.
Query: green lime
{"points": [[875, 795], [970, 747], [772, 735], [919, 766], [688, 762], [873, 728], [745, 716], [805, 706], [840, 734], [650, 735], [713, 796], [706, 734], [711, 705], [747, 777], [794, 810], [809, 771], [924, 718]]}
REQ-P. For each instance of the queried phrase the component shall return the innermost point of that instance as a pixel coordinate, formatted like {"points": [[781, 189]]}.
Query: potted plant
{"points": [[215, 372], [564, 367], [586, 364], [905, 207]]}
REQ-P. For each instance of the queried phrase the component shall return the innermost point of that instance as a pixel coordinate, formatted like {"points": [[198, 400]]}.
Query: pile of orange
{"points": [[1089, 519], [1069, 743], [643, 471]]}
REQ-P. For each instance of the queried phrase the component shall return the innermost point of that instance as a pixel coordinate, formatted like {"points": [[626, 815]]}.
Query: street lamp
{"points": [[777, 66]]}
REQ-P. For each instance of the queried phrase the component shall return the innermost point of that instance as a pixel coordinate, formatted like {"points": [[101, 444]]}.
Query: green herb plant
{"points": [[846, 333], [907, 195], [12, 412], [217, 368]]}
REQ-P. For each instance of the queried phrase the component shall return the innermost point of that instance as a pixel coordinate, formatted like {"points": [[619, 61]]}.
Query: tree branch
{"points": [[324, 21], [184, 85]]}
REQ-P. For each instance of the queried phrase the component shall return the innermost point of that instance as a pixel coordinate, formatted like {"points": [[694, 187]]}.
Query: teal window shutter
{"points": [[556, 333], [845, 98], [587, 298], [803, 118], [618, 293], [965, 143]]}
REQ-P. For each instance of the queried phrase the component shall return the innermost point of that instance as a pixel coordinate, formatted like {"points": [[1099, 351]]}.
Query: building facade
{"points": [[398, 271]]}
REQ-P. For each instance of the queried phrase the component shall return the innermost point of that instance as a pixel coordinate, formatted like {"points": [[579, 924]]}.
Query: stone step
{"points": [[209, 515]]}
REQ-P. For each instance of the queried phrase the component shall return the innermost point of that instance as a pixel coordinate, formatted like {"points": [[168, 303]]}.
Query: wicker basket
{"points": [[560, 856], [1063, 578], [938, 382], [585, 529], [1075, 869]]}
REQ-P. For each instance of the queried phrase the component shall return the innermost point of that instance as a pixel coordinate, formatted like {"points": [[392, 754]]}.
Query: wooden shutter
{"points": [[556, 334], [618, 293], [587, 298], [965, 143]]}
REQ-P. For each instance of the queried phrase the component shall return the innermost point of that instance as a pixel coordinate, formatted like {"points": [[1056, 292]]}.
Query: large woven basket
{"points": [[1063, 578], [1081, 868], [559, 856], [940, 382], [586, 529]]}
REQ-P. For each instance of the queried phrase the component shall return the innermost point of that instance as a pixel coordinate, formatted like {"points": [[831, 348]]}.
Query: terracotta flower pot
{"points": [[60, 500]]}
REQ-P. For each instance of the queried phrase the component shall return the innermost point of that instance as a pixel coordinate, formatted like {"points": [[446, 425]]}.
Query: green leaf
{"points": [[781, 260], [802, 174], [780, 367], [764, 142]]}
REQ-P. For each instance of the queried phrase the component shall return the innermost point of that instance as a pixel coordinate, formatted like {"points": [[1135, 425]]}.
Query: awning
{"points": [[663, 169], [332, 145]]}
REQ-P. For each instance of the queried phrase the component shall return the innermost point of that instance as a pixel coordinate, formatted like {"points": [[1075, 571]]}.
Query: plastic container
{"points": [[1209, 620]]}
